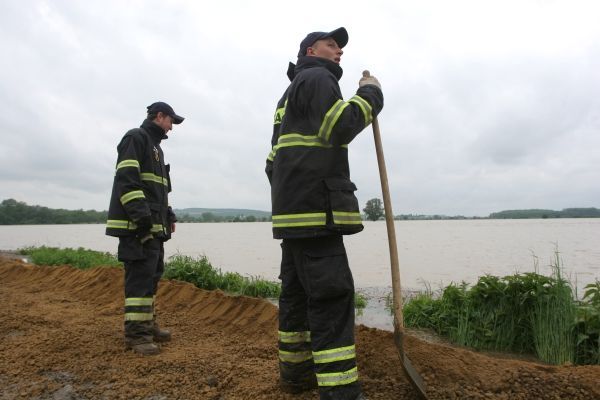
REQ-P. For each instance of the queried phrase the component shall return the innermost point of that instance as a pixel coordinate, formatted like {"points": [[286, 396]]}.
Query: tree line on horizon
{"points": [[13, 212]]}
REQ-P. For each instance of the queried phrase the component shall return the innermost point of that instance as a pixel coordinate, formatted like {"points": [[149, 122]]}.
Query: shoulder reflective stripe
{"points": [[338, 378], [341, 353], [135, 194], [364, 106], [128, 163], [295, 356], [331, 118], [120, 224], [294, 337], [139, 316], [343, 217], [292, 220], [139, 301], [149, 176]]}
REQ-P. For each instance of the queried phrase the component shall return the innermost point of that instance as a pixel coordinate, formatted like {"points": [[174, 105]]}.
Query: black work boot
{"points": [[138, 337], [295, 387], [160, 335], [145, 349], [290, 381]]}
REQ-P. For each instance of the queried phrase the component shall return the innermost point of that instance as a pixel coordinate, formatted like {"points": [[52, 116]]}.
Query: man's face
{"points": [[326, 48], [164, 121]]}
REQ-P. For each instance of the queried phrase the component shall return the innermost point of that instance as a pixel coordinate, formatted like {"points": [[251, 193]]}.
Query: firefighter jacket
{"points": [[311, 191], [141, 184]]}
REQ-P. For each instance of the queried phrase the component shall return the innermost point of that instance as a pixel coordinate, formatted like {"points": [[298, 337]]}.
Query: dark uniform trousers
{"points": [[144, 266], [316, 316]]}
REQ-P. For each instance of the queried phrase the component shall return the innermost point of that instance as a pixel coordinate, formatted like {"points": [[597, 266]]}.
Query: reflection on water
{"points": [[436, 252]]}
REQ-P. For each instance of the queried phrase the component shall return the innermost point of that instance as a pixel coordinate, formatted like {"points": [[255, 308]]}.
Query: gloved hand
{"points": [[367, 79], [144, 226]]}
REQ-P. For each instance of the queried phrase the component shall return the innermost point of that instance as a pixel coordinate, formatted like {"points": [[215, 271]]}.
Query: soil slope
{"points": [[61, 338]]}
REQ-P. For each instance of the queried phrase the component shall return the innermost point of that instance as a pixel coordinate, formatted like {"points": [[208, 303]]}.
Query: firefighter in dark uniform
{"points": [[313, 205], [140, 216]]}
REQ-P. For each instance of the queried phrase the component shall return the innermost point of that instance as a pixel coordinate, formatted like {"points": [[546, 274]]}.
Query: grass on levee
{"points": [[196, 270], [525, 313], [79, 258]]}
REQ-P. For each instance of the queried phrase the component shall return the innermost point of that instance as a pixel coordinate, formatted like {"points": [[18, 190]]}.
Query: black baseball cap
{"points": [[340, 35], [163, 107]]}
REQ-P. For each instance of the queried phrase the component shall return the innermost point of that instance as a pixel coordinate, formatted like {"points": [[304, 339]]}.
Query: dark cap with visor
{"points": [[340, 35], [166, 109]]}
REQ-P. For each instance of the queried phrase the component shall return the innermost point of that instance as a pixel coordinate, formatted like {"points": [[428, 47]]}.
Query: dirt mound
{"points": [[61, 338]]}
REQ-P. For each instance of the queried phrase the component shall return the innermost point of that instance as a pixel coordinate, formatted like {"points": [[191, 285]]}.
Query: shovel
{"points": [[415, 379]]}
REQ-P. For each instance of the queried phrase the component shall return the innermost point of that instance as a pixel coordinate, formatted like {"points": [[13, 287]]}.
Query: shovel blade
{"points": [[413, 376]]}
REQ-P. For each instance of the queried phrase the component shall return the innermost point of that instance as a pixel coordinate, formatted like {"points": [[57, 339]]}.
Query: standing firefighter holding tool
{"points": [[140, 216], [313, 205]]}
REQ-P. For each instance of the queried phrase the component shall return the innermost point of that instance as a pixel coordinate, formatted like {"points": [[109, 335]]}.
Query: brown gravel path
{"points": [[60, 338]]}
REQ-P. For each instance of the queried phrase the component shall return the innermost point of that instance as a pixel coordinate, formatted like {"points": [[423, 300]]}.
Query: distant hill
{"points": [[590, 212]]}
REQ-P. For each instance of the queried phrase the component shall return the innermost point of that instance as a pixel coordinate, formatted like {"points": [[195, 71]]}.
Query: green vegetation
{"points": [[540, 213], [374, 209], [198, 271], [360, 301], [523, 313], [221, 215], [14, 212], [78, 258], [587, 326], [202, 274]]}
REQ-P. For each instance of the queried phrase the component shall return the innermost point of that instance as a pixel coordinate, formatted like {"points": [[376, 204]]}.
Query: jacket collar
{"points": [[305, 62], [156, 132]]}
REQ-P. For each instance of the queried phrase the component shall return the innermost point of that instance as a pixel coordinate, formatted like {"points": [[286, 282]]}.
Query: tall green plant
{"points": [[587, 327], [553, 318]]}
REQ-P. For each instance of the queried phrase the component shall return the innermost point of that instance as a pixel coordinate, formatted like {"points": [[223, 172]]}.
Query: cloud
{"points": [[488, 106]]}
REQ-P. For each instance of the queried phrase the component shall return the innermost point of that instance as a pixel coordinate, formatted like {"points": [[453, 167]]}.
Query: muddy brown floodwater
{"points": [[60, 338]]}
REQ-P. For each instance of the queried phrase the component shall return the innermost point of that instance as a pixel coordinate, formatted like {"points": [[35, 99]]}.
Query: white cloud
{"points": [[489, 105]]}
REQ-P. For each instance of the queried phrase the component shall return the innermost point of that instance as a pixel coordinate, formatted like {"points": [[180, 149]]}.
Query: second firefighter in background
{"points": [[140, 216]]}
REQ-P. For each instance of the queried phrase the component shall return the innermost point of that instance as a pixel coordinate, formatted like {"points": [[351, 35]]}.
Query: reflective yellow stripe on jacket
{"points": [[364, 106], [297, 139], [305, 219], [331, 118], [347, 218], [129, 225], [128, 163], [149, 176], [134, 194]]}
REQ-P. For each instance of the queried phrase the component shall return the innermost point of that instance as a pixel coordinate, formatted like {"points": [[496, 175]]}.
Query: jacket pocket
{"points": [[343, 214], [130, 249]]}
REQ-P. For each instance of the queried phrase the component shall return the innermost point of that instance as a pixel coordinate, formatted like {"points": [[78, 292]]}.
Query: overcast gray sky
{"points": [[489, 105]]}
